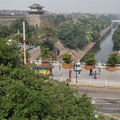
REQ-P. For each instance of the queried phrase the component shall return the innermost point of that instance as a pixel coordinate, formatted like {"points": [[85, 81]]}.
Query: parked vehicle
{"points": [[77, 66]]}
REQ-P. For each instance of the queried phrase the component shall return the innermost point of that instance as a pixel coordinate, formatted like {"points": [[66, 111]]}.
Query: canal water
{"points": [[103, 48]]}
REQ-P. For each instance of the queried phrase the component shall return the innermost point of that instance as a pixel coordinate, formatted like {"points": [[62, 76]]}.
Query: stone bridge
{"points": [[115, 21]]}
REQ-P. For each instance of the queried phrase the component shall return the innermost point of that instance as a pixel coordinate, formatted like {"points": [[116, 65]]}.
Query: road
{"points": [[107, 99], [106, 78]]}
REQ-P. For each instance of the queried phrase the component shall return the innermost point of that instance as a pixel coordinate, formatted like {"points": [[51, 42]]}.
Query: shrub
{"points": [[89, 59]]}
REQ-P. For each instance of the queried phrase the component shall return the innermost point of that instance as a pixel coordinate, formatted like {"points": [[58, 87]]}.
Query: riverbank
{"points": [[78, 54]]}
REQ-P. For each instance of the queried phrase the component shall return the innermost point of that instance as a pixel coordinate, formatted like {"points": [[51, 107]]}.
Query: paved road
{"points": [[106, 78], [107, 99]]}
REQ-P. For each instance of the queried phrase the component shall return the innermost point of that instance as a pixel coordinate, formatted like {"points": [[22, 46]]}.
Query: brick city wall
{"points": [[35, 20]]}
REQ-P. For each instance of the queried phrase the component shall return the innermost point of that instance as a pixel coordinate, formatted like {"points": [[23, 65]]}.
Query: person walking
{"points": [[79, 73], [99, 71], [91, 72], [95, 75]]}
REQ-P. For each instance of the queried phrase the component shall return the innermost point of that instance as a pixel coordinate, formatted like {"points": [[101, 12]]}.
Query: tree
{"points": [[69, 34], [4, 31], [31, 98], [113, 59], [28, 96], [9, 53], [47, 30], [89, 59], [59, 19], [46, 54], [47, 35], [18, 25], [67, 58], [116, 39]]}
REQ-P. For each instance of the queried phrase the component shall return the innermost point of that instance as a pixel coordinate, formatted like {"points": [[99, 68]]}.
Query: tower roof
{"points": [[36, 6]]}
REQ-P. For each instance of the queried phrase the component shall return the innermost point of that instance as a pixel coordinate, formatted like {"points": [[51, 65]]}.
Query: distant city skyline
{"points": [[66, 6]]}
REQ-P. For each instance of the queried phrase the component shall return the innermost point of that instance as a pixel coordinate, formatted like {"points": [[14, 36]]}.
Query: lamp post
{"points": [[59, 69], [76, 72], [24, 43]]}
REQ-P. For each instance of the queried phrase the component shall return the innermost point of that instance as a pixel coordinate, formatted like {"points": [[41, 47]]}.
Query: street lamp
{"points": [[59, 68], [24, 43], [76, 72]]}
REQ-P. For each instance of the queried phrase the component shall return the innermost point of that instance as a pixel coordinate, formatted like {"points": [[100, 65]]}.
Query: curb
{"points": [[110, 115], [94, 86]]}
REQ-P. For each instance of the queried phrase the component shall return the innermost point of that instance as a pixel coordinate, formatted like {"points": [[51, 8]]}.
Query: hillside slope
{"points": [[77, 54]]}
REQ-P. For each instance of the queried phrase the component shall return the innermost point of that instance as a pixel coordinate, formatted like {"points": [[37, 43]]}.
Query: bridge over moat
{"points": [[115, 21]]}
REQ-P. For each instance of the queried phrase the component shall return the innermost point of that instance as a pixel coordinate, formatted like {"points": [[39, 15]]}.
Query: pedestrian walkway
{"points": [[106, 78]]}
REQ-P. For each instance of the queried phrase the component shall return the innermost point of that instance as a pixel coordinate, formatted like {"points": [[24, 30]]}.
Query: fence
{"points": [[37, 62], [97, 83], [103, 83], [101, 65]]}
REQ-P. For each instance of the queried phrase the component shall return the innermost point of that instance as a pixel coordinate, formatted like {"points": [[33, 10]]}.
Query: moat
{"points": [[103, 48]]}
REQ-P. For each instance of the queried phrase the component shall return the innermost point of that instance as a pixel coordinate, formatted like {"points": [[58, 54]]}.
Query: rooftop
{"points": [[36, 6]]}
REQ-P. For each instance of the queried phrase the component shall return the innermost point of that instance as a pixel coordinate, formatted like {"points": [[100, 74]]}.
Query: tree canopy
{"points": [[113, 59], [78, 34], [116, 39], [9, 53], [28, 96], [90, 59]]}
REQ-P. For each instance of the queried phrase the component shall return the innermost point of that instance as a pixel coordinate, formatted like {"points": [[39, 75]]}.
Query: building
{"points": [[35, 16], [36, 9]]}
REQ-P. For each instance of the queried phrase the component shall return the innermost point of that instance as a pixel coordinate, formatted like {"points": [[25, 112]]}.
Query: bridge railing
{"points": [[101, 65]]}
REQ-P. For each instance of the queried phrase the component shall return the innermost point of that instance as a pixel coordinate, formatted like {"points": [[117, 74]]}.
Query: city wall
{"points": [[35, 20]]}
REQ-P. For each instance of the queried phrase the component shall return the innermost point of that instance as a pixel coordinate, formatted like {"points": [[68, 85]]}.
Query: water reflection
{"points": [[103, 48]]}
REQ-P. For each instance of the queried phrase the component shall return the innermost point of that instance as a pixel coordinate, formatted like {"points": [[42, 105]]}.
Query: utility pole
{"points": [[59, 71], [59, 68], [76, 72], [24, 43]]}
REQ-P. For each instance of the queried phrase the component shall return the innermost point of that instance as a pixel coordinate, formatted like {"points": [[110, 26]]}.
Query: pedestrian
{"points": [[79, 73], [95, 75], [91, 72], [99, 71]]}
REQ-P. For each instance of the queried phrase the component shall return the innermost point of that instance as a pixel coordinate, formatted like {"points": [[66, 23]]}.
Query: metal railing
{"points": [[98, 83]]}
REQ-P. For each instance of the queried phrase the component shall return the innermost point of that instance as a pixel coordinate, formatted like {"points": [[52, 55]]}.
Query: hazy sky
{"points": [[67, 6]]}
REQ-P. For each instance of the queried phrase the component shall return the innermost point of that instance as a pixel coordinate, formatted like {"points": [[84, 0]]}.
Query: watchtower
{"points": [[36, 9]]}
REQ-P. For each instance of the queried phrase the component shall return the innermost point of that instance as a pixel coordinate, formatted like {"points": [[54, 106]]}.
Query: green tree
{"points": [[46, 54], [18, 25], [31, 98], [89, 59], [47, 33], [18, 37], [9, 53], [28, 96], [59, 19], [113, 59], [67, 58], [71, 34], [47, 30], [116, 39], [4, 31]]}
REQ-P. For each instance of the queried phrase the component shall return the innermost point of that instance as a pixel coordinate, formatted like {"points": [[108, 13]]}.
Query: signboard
{"points": [[42, 71], [45, 70]]}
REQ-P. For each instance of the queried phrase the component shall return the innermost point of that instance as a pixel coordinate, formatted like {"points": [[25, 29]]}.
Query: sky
{"points": [[65, 6]]}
